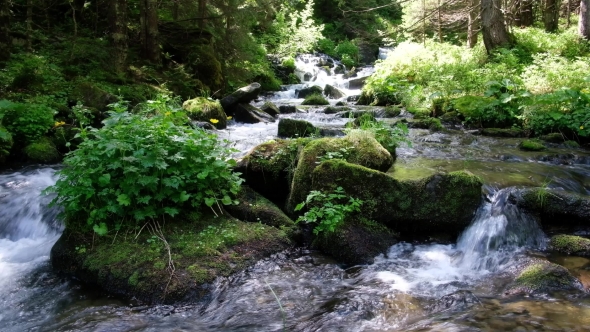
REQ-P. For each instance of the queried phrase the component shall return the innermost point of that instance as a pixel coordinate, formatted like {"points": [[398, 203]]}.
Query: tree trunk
{"points": [[473, 23], [149, 30], [492, 25], [551, 15], [118, 19], [202, 13], [584, 22], [29, 23], [5, 40], [525, 13]]}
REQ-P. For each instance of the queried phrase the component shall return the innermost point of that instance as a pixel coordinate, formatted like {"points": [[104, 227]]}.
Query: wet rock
{"points": [[499, 132], [339, 70], [333, 92], [331, 131], [554, 208], [391, 112], [351, 73], [306, 92], [357, 83], [450, 118], [270, 109], [363, 150], [296, 128], [203, 125], [243, 95], [269, 167], [457, 301], [205, 110], [553, 138], [442, 203], [42, 151], [353, 99], [428, 123], [247, 113], [541, 278], [307, 77], [314, 100], [340, 103], [287, 109], [335, 109], [531, 145], [570, 245]]}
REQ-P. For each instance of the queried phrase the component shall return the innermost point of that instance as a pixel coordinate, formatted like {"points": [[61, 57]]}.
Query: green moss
{"points": [[6, 143], [43, 151], [207, 67], [296, 128], [543, 277], [270, 108], [204, 109], [133, 279], [552, 138], [254, 207], [91, 95], [433, 124], [500, 132], [571, 144], [392, 111], [531, 145], [357, 149], [315, 99], [570, 244]]}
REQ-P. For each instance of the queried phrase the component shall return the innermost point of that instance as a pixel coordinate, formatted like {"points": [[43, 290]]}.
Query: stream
{"points": [[412, 287]]}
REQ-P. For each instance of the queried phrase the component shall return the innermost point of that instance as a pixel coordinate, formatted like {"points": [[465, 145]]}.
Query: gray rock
{"points": [[457, 301], [296, 128], [540, 278], [247, 113], [305, 92], [270, 108], [241, 96], [287, 109], [333, 92], [357, 83]]}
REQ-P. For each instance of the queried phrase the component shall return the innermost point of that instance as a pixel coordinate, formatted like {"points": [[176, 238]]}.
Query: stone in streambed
{"points": [[270, 108], [243, 95], [204, 110], [570, 245], [247, 113], [541, 278], [292, 128]]}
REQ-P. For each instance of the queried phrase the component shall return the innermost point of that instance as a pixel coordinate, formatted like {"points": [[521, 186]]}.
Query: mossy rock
{"points": [[541, 278], [358, 149], [433, 124], [206, 66], [552, 138], [63, 135], [315, 99], [531, 145], [202, 248], [204, 109], [42, 151], [243, 95], [571, 144], [92, 96], [287, 109], [392, 111], [292, 128], [269, 167], [270, 108], [554, 208], [247, 113], [335, 109], [571, 245], [356, 241], [439, 204], [500, 132], [6, 143], [312, 90], [253, 207]]}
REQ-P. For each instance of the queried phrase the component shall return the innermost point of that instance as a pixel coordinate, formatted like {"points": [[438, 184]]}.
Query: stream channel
{"points": [[413, 287]]}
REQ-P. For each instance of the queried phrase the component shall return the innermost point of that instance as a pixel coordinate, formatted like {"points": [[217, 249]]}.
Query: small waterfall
{"points": [[498, 231], [384, 52]]}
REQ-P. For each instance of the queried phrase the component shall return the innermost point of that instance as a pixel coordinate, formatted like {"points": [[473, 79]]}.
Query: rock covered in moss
{"points": [[543, 278], [243, 95], [306, 92], [359, 149], [441, 203], [356, 241], [315, 99], [6, 143], [554, 208], [293, 128], [206, 110], [433, 124], [531, 145], [202, 248], [287, 109], [391, 111], [571, 144], [247, 113], [335, 109], [269, 167], [42, 151], [571, 245], [552, 138], [92, 96], [333, 92], [270, 109], [253, 207]]}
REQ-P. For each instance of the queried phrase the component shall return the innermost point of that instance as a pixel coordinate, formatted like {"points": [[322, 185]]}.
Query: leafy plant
{"points": [[139, 168], [327, 209], [389, 136], [26, 122]]}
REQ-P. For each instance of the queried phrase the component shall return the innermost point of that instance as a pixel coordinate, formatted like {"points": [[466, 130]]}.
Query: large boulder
{"points": [[439, 204], [542, 278], [253, 207], [269, 167], [554, 208], [249, 114], [305, 92], [202, 109], [42, 150], [92, 96], [287, 109], [333, 92], [358, 149], [241, 96], [357, 83], [197, 249], [292, 128]]}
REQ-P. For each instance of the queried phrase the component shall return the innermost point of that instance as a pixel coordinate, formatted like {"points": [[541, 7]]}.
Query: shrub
{"points": [[26, 122], [5, 143], [137, 169], [43, 151]]}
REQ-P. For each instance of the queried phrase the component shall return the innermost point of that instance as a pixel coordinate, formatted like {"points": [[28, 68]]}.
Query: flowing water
{"points": [[412, 287]]}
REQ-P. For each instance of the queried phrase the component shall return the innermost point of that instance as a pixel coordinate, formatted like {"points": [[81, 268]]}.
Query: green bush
{"points": [[348, 53], [26, 122], [138, 168], [327, 46], [5, 143], [289, 63]]}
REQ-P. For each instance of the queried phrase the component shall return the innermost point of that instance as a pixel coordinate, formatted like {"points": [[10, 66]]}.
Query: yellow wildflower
{"points": [[213, 121], [581, 127], [229, 117], [167, 113], [59, 124]]}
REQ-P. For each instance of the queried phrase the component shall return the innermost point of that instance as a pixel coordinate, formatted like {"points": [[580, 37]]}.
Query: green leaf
{"points": [[124, 200], [209, 201], [104, 180], [184, 197], [100, 229]]}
